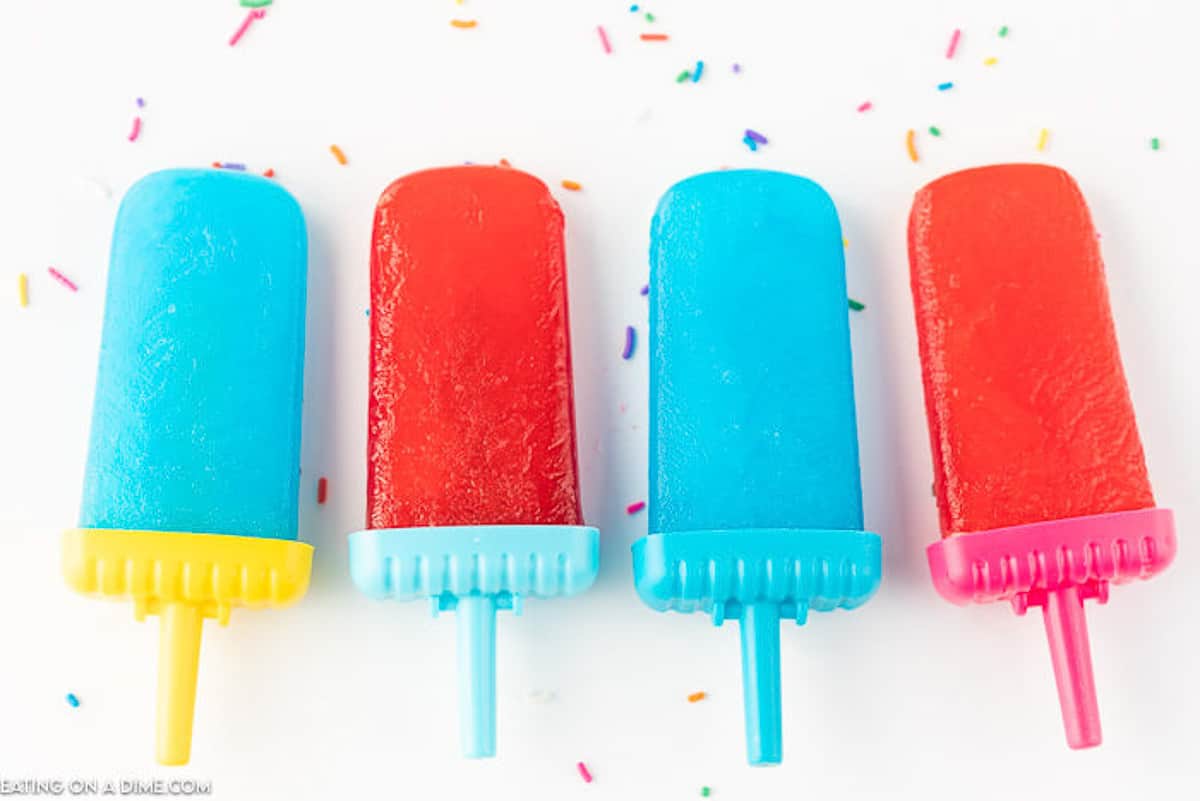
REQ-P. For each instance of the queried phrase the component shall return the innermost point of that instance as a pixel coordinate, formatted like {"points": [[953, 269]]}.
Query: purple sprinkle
{"points": [[630, 341], [231, 165], [141, 103], [756, 136], [737, 67], [645, 290]]}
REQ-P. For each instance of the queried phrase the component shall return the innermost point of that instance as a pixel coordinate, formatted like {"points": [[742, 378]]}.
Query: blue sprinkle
{"points": [[645, 290], [698, 71], [633, 9], [944, 86], [368, 312], [233, 165], [72, 700], [750, 143]]}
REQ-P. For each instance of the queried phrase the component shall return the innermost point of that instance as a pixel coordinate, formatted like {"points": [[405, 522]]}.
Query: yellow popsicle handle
{"points": [[180, 628]]}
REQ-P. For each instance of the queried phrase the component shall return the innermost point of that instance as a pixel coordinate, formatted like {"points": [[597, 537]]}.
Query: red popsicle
{"points": [[471, 412], [472, 483], [1040, 480]]}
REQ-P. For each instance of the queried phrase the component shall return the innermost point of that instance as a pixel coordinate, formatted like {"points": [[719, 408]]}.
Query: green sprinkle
{"points": [[683, 76], [1003, 31], [935, 131], [705, 792], [1154, 143], [855, 305], [649, 17], [255, 3]]}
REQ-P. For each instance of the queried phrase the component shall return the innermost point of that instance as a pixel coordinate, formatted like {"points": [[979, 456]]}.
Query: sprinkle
{"points": [[573, 186], [257, 13], [270, 173], [505, 163], [694, 697], [1043, 137], [990, 62], [750, 143], [705, 792], [584, 772], [954, 37], [338, 154], [233, 165], [756, 136], [935, 131], [699, 71], [464, 23], [865, 106], [845, 242], [635, 507], [73, 700], [607, 45], [255, 3], [645, 290], [654, 37], [1003, 31], [855, 305], [322, 489], [630, 342], [141, 103], [633, 9], [683, 76], [23, 289], [1154, 143], [944, 86], [62, 279], [137, 129], [649, 17], [910, 142], [737, 68]]}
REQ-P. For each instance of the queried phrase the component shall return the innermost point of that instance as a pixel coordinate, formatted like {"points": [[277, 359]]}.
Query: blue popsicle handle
{"points": [[477, 674], [760, 683]]}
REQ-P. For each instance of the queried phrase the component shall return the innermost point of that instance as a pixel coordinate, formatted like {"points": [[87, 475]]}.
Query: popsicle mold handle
{"points": [[183, 577], [475, 570], [1057, 565], [758, 576]]}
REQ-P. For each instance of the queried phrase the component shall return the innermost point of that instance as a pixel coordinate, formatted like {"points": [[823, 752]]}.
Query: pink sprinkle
{"points": [[604, 38], [584, 772], [137, 129], [257, 13], [865, 106], [62, 279], [953, 43], [635, 507]]}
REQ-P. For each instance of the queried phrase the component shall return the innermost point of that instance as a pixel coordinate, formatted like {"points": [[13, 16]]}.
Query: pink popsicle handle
{"points": [[1070, 653]]}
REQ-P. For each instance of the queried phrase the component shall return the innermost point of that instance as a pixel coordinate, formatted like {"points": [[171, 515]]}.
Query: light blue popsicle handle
{"points": [[760, 683], [477, 675]]}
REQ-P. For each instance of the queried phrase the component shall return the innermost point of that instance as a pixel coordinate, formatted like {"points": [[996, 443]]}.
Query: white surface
{"points": [[906, 698]]}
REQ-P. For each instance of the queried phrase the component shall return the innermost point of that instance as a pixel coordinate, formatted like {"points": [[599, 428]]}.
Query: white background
{"points": [[907, 697]]}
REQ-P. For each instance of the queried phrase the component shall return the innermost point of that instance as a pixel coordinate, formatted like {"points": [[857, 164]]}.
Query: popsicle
{"points": [[755, 501], [1040, 480], [190, 491], [472, 481]]}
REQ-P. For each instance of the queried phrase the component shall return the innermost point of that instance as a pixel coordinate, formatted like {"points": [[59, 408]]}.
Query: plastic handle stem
{"points": [[1066, 629], [477, 675], [760, 683], [178, 663]]}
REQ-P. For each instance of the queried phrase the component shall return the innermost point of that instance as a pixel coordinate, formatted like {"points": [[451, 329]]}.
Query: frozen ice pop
{"points": [[472, 481], [1040, 481], [755, 499], [190, 491]]}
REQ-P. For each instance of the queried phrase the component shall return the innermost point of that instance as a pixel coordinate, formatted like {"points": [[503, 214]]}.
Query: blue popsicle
{"points": [[190, 491], [755, 498]]}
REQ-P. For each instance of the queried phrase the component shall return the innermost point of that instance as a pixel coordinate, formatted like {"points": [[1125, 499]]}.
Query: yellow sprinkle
{"points": [[911, 144], [1042, 138], [990, 62], [338, 154], [845, 242], [463, 23], [574, 186], [23, 289]]}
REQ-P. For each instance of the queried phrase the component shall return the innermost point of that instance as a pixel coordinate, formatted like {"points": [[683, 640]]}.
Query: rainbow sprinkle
{"points": [[73, 700], [645, 290], [935, 131], [654, 37], [1043, 138], [62, 279], [630, 342], [1003, 31], [464, 23], [23, 290], [855, 305], [865, 106], [257, 13], [705, 792], [607, 45], [990, 62], [944, 86], [584, 772], [137, 129], [338, 154], [572, 186], [699, 71], [1154, 143], [694, 697], [910, 142], [755, 136], [954, 37], [683, 76], [322, 489], [635, 507]]}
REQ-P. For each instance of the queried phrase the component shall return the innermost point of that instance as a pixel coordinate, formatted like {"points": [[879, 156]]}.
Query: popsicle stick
{"points": [[1066, 629], [477, 675], [178, 663], [760, 683]]}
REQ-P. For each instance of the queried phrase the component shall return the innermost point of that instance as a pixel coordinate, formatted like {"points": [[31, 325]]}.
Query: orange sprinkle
{"points": [[574, 186], [270, 173], [655, 37], [217, 164], [338, 154], [694, 697], [463, 23], [910, 141], [322, 489], [505, 163]]}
